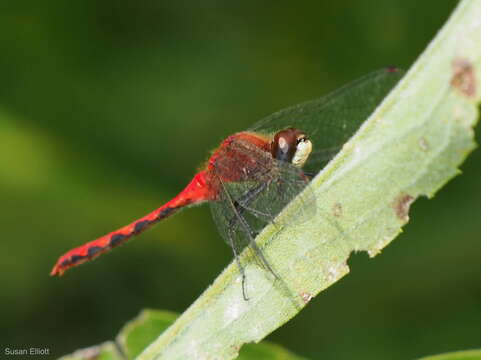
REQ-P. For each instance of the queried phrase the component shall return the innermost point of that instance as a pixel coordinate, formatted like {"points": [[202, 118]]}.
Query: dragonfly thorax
{"points": [[292, 146]]}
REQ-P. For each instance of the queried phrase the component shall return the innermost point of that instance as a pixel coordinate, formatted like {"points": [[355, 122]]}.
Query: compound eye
{"points": [[285, 143]]}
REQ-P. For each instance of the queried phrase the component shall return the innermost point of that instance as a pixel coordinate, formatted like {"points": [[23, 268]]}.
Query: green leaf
{"points": [[142, 330], [105, 351], [458, 355], [409, 147], [137, 334]]}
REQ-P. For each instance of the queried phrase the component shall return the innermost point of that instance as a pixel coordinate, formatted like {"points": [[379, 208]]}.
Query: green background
{"points": [[108, 107]]}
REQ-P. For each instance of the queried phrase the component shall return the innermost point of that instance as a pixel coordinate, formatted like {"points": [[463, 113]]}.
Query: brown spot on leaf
{"points": [[337, 209], [401, 206], [306, 297], [423, 144], [464, 78], [236, 348]]}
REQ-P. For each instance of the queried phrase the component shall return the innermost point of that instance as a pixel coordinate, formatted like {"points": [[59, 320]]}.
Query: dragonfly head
{"points": [[292, 146]]}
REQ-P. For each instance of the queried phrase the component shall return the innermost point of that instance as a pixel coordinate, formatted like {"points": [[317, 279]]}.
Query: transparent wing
{"points": [[245, 207], [331, 120], [254, 187]]}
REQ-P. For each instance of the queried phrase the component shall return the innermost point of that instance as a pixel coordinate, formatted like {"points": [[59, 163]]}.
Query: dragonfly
{"points": [[256, 173]]}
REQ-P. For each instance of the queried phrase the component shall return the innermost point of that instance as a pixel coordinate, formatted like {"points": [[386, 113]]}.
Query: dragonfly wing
{"points": [[331, 120], [245, 207], [226, 218], [285, 183], [241, 172]]}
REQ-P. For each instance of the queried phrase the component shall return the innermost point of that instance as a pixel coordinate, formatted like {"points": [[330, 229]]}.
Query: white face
{"points": [[303, 150]]}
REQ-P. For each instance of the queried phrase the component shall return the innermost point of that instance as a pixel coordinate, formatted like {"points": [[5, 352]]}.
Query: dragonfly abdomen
{"points": [[196, 192]]}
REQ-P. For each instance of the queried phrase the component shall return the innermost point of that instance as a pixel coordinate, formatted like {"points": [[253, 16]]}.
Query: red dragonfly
{"points": [[254, 174]]}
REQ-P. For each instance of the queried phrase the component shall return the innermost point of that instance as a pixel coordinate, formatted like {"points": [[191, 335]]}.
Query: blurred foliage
{"points": [[106, 110], [457, 355]]}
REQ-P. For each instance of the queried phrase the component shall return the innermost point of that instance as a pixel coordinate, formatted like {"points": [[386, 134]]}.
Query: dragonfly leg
{"points": [[259, 253], [251, 194], [258, 213], [244, 200], [252, 235], [239, 220]]}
